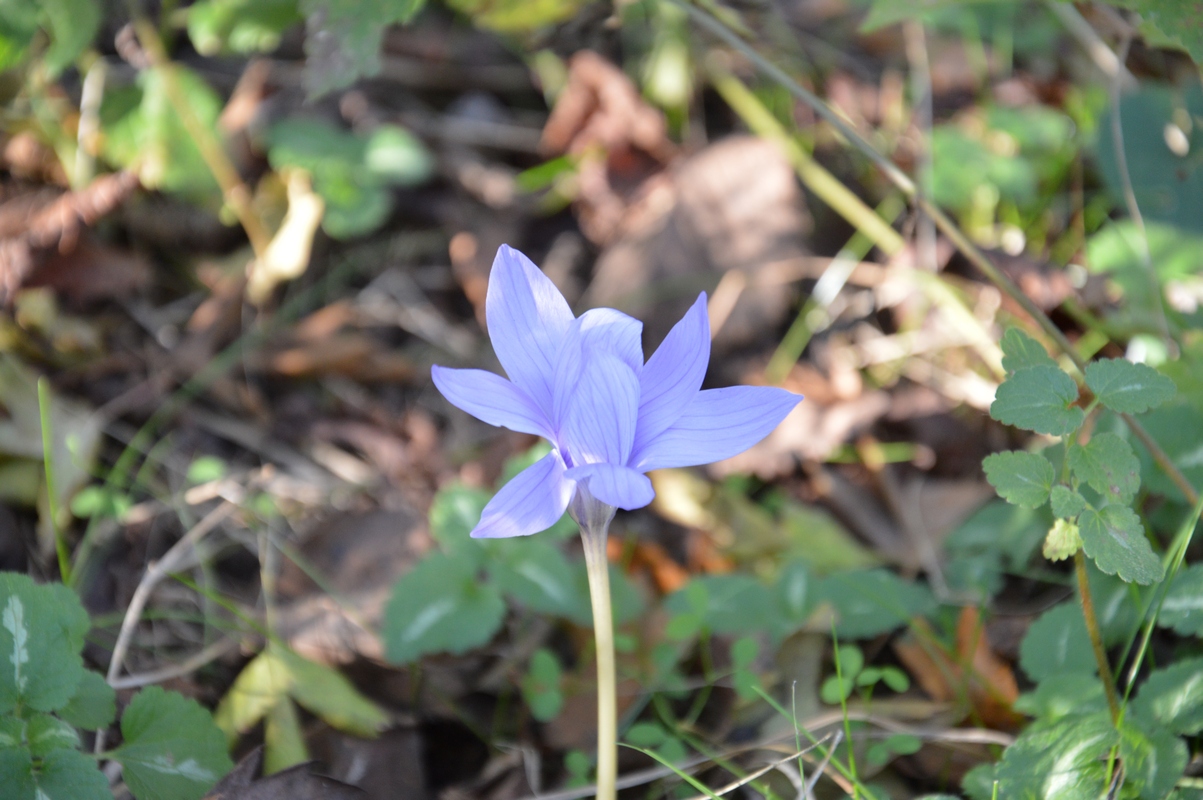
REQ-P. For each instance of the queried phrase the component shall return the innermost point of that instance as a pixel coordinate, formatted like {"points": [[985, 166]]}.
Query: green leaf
{"points": [[1066, 760], [1109, 465], [537, 575], [734, 604], [16, 774], [454, 513], [283, 739], [1115, 538], [397, 156], [343, 39], [42, 629], [94, 704], [1021, 350], [871, 602], [1116, 604], [240, 26], [262, 684], [440, 606], [328, 694], [1057, 643], [172, 748], [1154, 759], [1024, 479], [1062, 694], [45, 734], [1066, 503], [72, 25], [1169, 23], [1128, 388], [1038, 399], [70, 775], [1182, 609], [1173, 697], [541, 685]]}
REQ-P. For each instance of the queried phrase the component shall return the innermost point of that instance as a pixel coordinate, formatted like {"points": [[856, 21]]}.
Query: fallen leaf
{"points": [[294, 783]]}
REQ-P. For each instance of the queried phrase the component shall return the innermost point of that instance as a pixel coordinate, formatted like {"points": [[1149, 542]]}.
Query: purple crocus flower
{"points": [[581, 383]]}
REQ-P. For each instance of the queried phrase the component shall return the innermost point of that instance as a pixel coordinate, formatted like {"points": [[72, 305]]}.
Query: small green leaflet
{"points": [[1024, 479], [94, 704], [1173, 697], [1109, 465], [69, 775], [44, 734], [1128, 388], [1067, 503], [1038, 399], [42, 628], [1182, 609], [1021, 350], [1115, 538], [440, 606], [1057, 643], [541, 685], [1154, 758], [172, 749]]}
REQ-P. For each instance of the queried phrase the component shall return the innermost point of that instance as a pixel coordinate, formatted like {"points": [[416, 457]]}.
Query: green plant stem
{"points": [[60, 541], [1096, 637], [949, 228], [839, 676], [594, 520]]}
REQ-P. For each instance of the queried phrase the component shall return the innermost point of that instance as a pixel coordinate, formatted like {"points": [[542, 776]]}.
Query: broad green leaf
{"points": [[440, 606], [1154, 758], [733, 603], [16, 775], [328, 694], [1117, 605], [45, 734], [1024, 479], [997, 537], [1178, 429], [868, 603], [1173, 697], [1066, 503], [12, 732], [1128, 388], [1057, 643], [1021, 350], [41, 635], [70, 775], [94, 704], [541, 685], [172, 749], [240, 26], [537, 575], [1117, 251], [793, 595], [1038, 399], [343, 41], [1115, 538], [1182, 609], [72, 25], [1066, 760], [1109, 465], [1061, 695], [454, 513]]}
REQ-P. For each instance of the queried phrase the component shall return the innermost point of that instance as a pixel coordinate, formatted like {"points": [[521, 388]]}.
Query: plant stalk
{"points": [[594, 517], [1096, 638]]}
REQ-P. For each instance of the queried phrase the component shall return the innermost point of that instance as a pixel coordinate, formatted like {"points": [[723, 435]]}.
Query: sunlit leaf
{"points": [[1024, 479], [1021, 350], [1115, 538], [1173, 697], [1038, 399], [1128, 388], [1057, 643]]}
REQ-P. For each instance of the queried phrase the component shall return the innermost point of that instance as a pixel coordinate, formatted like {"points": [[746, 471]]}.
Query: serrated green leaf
{"points": [[329, 695], [1021, 350], [537, 575], [871, 602], [12, 732], [1066, 759], [1173, 697], [440, 606], [1038, 399], [41, 634], [1115, 538], [70, 775], [1024, 479], [735, 604], [1128, 388], [16, 774], [1057, 643], [1154, 759], [1182, 609], [172, 748], [1066, 503], [72, 25], [45, 734], [1062, 694], [1109, 465], [94, 704]]}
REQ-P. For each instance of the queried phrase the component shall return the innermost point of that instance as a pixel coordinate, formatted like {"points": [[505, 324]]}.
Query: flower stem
{"points": [[1096, 638], [598, 568]]}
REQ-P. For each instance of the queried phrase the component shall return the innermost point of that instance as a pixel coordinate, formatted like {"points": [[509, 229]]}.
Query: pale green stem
{"points": [[594, 519]]}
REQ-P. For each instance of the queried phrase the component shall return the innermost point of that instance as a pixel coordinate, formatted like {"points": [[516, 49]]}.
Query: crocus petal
{"points": [[602, 411], [617, 486], [532, 501], [613, 332], [527, 318], [717, 424], [673, 375], [492, 399]]}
